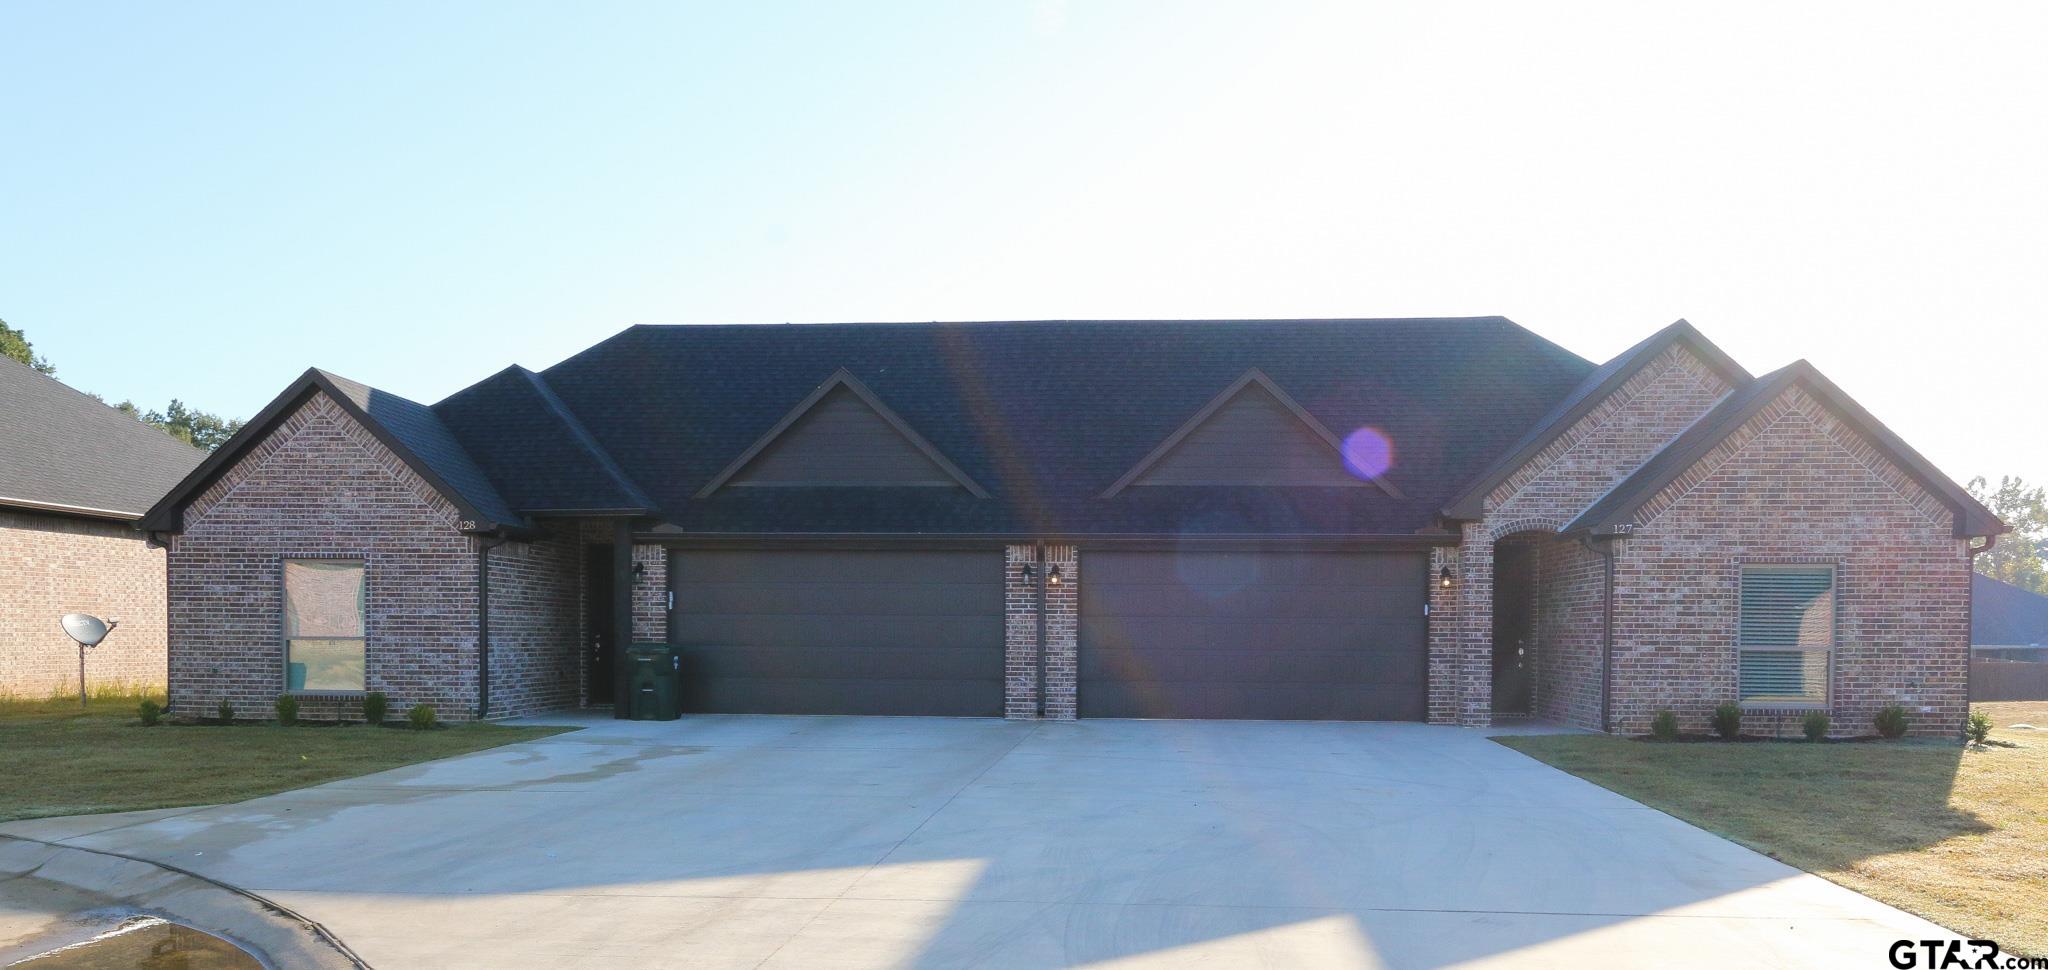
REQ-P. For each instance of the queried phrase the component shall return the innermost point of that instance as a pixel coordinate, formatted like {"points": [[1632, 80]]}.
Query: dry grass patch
{"points": [[1959, 836], [60, 760]]}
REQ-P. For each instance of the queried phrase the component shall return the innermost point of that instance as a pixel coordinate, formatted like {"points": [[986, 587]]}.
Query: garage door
{"points": [[1282, 635], [848, 632]]}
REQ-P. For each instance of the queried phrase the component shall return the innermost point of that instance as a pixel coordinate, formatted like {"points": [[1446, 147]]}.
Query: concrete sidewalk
{"points": [[874, 842]]}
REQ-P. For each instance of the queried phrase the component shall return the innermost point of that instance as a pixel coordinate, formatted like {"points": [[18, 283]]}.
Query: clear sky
{"points": [[201, 200]]}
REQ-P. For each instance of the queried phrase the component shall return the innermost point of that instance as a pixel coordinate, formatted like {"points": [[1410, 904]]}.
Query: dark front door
{"points": [[599, 647], [839, 632], [1514, 626], [1253, 634]]}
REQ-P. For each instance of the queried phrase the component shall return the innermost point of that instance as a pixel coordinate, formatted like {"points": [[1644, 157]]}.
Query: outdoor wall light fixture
{"points": [[1444, 578], [1053, 578], [1030, 571], [639, 569]]}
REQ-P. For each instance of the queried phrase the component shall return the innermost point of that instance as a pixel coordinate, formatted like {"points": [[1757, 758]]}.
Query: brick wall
{"points": [[1666, 395], [321, 485], [57, 565], [1020, 631], [1794, 485], [536, 599], [1572, 584], [650, 595]]}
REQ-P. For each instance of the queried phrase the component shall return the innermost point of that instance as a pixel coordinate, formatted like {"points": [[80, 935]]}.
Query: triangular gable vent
{"points": [[841, 435], [1253, 433]]}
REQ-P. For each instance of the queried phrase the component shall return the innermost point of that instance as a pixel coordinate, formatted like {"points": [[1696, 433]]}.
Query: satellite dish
{"points": [[86, 628]]}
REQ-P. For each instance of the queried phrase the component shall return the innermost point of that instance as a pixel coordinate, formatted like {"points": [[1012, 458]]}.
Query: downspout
{"points": [[1043, 566], [484, 545], [1970, 641], [1606, 553]]}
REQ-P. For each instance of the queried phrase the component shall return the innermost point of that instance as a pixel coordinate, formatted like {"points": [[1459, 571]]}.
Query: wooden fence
{"points": [[2008, 680]]}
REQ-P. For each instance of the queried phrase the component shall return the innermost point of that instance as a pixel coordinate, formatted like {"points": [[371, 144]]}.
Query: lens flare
{"points": [[1368, 452]]}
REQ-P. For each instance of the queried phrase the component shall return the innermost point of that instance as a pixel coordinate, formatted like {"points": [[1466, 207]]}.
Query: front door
{"points": [[598, 647], [1514, 624]]}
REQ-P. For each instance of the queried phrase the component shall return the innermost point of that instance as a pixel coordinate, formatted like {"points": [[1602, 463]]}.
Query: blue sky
{"points": [[200, 201]]}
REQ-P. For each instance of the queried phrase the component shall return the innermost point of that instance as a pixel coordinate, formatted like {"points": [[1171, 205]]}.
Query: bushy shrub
{"points": [[287, 710], [421, 716], [1728, 721], [1664, 727], [1979, 727], [1816, 725], [1891, 721], [374, 706], [226, 712], [150, 711]]}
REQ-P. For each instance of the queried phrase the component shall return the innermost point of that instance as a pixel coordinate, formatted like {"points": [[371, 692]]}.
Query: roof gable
{"points": [[64, 451], [1251, 434], [842, 435], [1616, 511], [1470, 503], [409, 429]]}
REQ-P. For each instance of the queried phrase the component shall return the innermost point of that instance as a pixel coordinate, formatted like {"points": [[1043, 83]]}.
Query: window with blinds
{"points": [[1787, 632]]}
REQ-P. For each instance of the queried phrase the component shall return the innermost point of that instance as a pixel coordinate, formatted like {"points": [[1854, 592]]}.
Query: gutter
{"points": [[83, 511], [1970, 610]]}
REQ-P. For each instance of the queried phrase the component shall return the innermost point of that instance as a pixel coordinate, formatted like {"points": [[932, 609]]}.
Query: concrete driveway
{"points": [[871, 842]]}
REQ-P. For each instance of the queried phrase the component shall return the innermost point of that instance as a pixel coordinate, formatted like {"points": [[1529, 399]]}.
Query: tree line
{"points": [[200, 429]]}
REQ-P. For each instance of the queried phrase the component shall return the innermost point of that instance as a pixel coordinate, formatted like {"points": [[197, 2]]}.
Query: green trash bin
{"points": [[654, 682]]}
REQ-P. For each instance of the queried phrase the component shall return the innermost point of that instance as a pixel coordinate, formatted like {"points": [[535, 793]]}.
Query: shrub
{"points": [[1816, 725], [1728, 721], [287, 710], [421, 716], [374, 706], [1664, 727], [226, 711], [1979, 727], [1891, 721], [150, 711]]}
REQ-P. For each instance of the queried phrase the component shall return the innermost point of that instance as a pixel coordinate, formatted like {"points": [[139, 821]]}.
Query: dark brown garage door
{"points": [[850, 632], [1282, 635]]}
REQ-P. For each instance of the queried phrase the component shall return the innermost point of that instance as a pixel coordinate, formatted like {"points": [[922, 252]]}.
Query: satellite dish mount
{"points": [[88, 630]]}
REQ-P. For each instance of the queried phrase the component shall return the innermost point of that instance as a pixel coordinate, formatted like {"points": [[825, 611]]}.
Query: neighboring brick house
{"points": [[1449, 520], [75, 475]]}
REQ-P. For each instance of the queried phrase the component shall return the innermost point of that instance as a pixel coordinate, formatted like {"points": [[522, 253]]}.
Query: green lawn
{"points": [[58, 760], [1959, 836]]}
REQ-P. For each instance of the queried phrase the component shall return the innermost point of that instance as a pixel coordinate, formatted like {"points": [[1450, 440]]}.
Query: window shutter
{"points": [[1787, 629]]}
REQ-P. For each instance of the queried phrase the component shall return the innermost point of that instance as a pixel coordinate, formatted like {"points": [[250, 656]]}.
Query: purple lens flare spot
{"points": [[1368, 452]]}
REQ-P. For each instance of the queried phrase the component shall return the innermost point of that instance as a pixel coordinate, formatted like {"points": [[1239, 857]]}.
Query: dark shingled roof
{"points": [[555, 464], [1619, 506], [1046, 415], [62, 450], [2004, 615]]}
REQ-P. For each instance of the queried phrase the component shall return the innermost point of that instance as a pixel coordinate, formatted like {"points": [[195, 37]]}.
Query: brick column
{"points": [[1473, 586], [1020, 633], [1062, 632], [1444, 634], [650, 595]]}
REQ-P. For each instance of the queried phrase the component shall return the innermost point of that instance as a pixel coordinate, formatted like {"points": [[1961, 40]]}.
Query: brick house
{"points": [[75, 475], [1449, 520]]}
